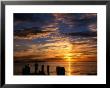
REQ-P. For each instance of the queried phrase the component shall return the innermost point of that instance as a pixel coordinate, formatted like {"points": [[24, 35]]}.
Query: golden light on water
{"points": [[68, 57]]}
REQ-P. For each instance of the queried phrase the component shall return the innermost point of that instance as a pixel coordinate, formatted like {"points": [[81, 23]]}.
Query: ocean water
{"points": [[71, 68]]}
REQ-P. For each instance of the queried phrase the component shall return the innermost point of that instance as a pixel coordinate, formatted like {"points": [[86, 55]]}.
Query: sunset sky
{"points": [[55, 36]]}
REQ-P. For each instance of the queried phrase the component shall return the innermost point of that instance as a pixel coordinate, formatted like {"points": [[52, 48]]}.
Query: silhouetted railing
{"points": [[26, 70]]}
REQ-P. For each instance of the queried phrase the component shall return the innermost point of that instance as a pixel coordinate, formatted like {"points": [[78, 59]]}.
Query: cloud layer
{"points": [[55, 36]]}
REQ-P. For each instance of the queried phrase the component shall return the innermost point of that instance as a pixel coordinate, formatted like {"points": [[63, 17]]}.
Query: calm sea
{"points": [[73, 68]]}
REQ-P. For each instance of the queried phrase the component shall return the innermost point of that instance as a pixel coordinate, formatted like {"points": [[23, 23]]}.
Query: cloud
{"points": [[92, 27], [83, 34], [54, 36], [25, 32]]}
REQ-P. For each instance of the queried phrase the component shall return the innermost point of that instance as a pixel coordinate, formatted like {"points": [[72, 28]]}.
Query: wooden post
{"points": [[48, 69]]}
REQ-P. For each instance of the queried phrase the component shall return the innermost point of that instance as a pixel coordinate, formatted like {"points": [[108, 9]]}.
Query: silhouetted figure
{"points": [[23, 71], [48, 69], [42, 71], [36, 68], [26, 70], [60, 70]]}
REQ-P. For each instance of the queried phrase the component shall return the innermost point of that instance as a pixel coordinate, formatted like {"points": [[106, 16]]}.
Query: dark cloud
{"points": [[22, 16], [28, 20], [32, 16], [83, 34], [25, 32], [67, 22]]}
